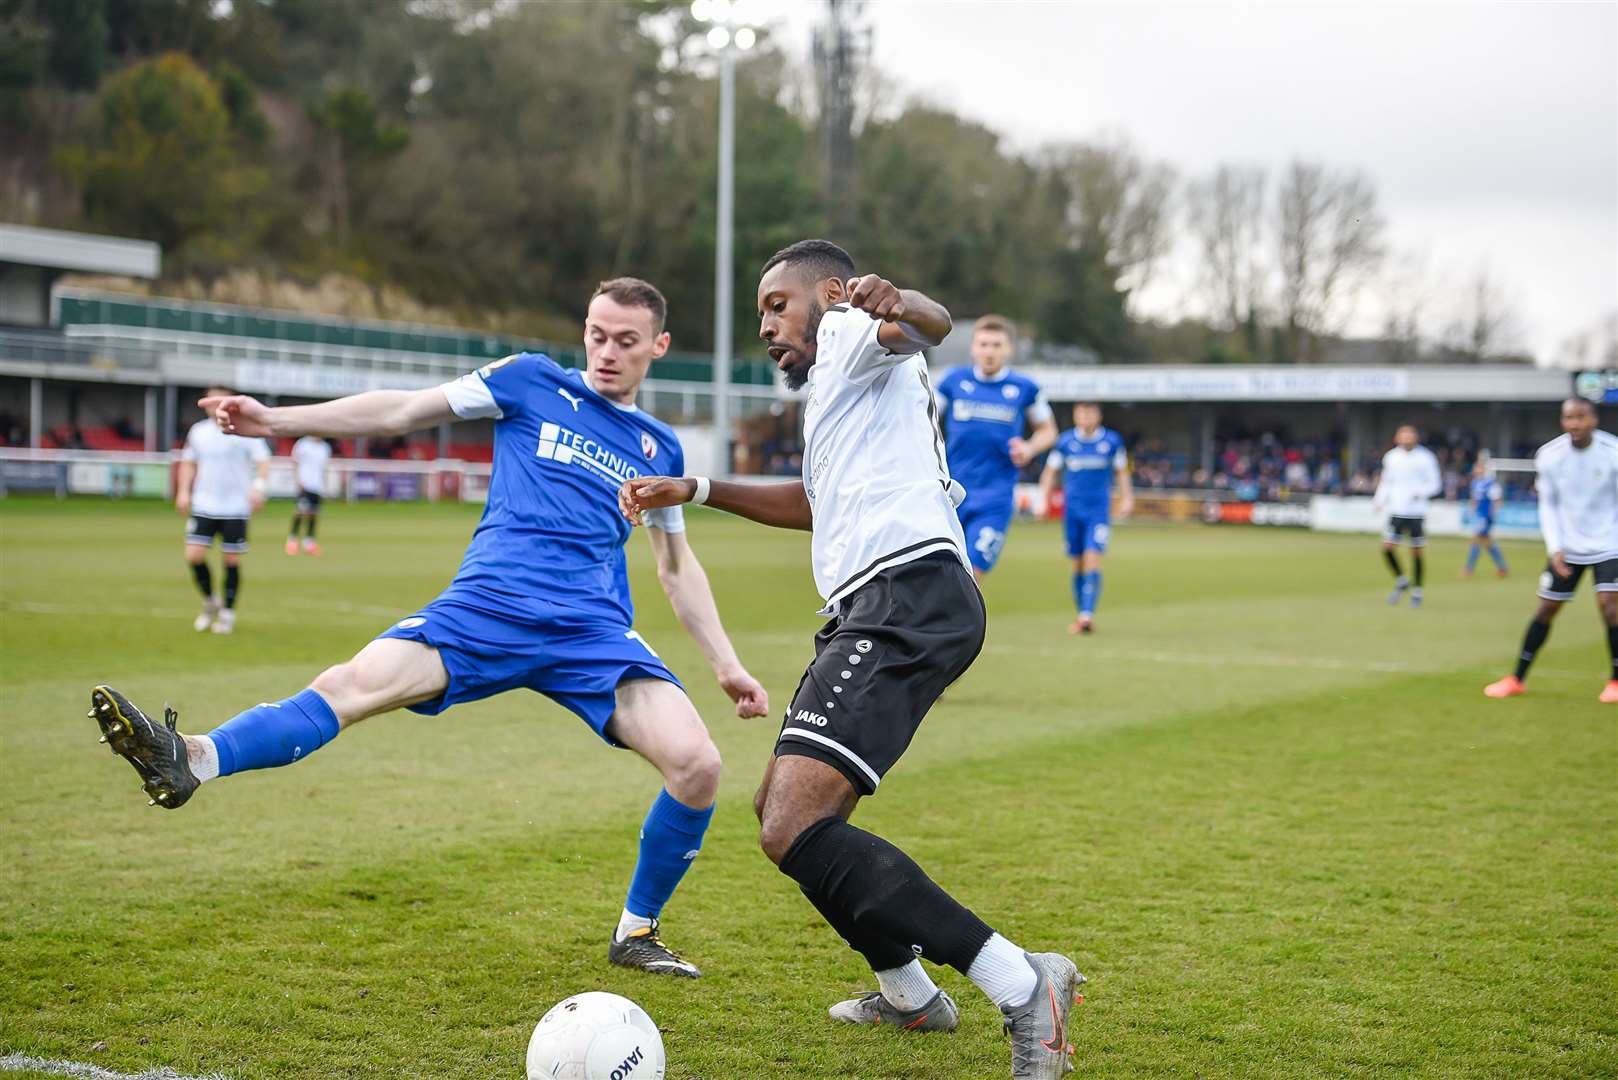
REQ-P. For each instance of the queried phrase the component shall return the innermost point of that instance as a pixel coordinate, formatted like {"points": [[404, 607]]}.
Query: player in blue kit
{"points": [[541, 600], [1086, 462], [984, 409], [1486, 495]]}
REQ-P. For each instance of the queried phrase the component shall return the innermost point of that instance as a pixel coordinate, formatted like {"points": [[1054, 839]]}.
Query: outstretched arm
{"points": [[786, 506], [686, 584], [375, 412], [911, 321]]}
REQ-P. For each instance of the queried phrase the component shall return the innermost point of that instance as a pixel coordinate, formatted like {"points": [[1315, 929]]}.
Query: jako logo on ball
{"points": [[596, 1036]]}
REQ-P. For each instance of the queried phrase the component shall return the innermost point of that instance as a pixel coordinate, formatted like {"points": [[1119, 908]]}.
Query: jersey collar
{"points": [[1005, 372], [584, 377]]}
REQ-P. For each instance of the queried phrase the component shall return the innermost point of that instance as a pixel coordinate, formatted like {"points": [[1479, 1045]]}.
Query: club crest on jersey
{"points": [[648, 445], [968, 385], [1008, 392]]}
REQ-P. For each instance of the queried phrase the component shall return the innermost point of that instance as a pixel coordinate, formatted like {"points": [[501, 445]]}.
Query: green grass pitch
{"points": [[1273, 819]]}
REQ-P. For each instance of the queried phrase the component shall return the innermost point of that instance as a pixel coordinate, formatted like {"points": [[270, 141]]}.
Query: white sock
{"points": [[628, 923], [202, 757], [1003, 972], [907, 988]]}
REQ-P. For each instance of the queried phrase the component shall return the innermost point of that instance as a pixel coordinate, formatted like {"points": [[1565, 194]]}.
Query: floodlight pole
{"points": [[724, 270]]}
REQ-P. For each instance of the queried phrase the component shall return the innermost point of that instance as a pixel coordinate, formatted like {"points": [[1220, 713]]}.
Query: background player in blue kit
{"points": [[984, 407], [1086, 460], [541, 599], [1486, 495]]}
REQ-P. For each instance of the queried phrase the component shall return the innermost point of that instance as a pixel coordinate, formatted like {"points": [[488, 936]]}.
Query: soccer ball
{"points": [[596, 1036]]}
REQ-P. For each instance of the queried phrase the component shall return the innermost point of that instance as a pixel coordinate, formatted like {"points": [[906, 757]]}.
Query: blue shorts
{"points": [[1087, 531], [1482, 527], [577, 659], [985, 521]]}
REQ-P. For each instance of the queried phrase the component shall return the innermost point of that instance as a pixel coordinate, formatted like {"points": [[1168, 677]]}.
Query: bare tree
{"points": [[1329, 236], [1226, 211], [1406, 295], [1485, 326], [1121, 202]]}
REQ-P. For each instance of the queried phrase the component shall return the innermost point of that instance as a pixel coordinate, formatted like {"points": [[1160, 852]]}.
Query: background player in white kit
{"points": [[1410, 477], [1578, 515], [309, 457], [906, 619], [220, 483]]}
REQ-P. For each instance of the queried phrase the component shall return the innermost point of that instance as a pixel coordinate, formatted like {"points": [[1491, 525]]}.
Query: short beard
{"points": [[798, 376]]}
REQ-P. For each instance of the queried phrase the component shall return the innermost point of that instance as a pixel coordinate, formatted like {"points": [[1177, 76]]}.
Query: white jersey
{"points": [[225, 468], [873, 464], [1578, 498], [1409, 479], [309, 457]]}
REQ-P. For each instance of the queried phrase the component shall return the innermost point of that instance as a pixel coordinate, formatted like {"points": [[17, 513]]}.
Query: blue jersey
{"points": [[982, 416], [1088, 466], [1485, 490], [551, 534]]}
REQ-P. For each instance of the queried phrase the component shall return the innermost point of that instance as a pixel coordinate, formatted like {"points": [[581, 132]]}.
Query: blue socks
{"points": [[669, 841], [1089, 590], [1078, 590], [269, 735], [1494, 554]]}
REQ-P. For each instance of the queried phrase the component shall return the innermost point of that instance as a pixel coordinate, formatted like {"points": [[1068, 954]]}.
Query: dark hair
{"points": [[633, 292], [1586, 402], [820, 258], [997, 323], [1089, 404]]}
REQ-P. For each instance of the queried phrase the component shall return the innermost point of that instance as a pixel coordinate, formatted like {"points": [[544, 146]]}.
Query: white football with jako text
{"points": [[596, 1036]]}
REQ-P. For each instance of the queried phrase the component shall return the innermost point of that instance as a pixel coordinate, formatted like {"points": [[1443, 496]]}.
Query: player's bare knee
{"points": [[1608, 603], [231, 560], [343, 687], [1548, 610], [694, 778]]}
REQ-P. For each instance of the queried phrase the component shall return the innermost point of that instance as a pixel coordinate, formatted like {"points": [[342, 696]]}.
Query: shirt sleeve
{"points": [[671, 519], [1055, 460], [492, 391], [1550, 507], [1038, 410], [189, 452], [1120, 459], [848, 342], [260, 450]]}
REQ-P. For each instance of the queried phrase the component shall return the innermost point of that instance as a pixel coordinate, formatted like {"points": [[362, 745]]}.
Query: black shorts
{"points": [[879, 665], [232, 532], [1553, 586], [1414, 528], [308, 501]]}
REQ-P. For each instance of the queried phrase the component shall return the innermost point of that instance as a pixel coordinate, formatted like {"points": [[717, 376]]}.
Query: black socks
{"points": [[1537, 633], [204, 579], [1393, 562], [883, 904], [233, 582]]}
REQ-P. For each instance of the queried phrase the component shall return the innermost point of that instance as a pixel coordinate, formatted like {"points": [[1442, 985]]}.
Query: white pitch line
{"points": [[86, 1071]]}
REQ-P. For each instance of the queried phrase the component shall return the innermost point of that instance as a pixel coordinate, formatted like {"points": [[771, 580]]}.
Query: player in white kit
{"points": [[221, 482], [906, 620], [1578, 515], [309, 457], [1410, 477]]}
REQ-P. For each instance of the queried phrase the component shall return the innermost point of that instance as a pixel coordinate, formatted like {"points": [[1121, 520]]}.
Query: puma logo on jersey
{"points": [[571, 400], [806, 717]]}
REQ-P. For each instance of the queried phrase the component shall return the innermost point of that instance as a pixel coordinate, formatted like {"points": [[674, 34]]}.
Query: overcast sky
{"points": [[1489, 129]]}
